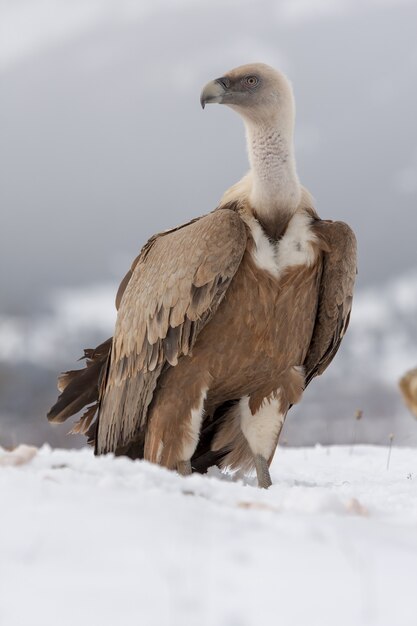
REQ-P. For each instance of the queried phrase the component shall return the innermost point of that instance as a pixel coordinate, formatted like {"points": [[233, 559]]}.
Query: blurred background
{"points": [[103, 143]]}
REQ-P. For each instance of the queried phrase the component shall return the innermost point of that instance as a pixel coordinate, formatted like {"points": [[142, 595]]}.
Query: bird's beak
{"points": [[214, 91]]}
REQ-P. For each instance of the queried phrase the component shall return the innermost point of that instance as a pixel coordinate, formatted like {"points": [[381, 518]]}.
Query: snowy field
{"points": [[104, 541]]}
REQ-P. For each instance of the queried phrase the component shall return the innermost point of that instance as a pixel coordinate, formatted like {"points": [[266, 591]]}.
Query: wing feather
{"points": [[175, 287], [335, 296]]}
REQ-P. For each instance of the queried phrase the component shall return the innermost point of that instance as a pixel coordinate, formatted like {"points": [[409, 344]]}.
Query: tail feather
{"points": [[65, 378], [205, 456], [81, 389], [82, 425]]}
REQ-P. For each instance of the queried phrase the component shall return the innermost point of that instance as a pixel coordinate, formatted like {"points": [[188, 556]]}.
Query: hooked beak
{"points": [[214, 91]]}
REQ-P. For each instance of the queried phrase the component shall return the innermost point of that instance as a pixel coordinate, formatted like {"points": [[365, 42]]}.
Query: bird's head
{"points": [[256, 91]]}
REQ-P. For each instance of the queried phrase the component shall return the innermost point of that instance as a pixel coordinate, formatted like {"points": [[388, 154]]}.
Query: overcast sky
{"points": [[103, 141]]}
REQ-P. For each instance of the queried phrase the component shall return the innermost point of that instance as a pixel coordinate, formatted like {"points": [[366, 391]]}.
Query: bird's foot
{"points": [[184, 468], [262, 471]]}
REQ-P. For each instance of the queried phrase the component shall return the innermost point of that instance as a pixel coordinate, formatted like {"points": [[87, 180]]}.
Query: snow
{"points": [[107, 541]]}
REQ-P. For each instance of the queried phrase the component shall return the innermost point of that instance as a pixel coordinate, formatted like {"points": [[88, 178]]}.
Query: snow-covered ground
{"points": [[104, 541]]}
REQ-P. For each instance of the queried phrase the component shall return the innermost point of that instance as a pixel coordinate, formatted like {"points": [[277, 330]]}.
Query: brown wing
{"points": [[335, 296], [175, 288], [83, 388], [128, 276]]}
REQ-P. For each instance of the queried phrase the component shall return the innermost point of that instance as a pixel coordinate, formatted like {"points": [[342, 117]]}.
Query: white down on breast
{"points": [[294, 248]]}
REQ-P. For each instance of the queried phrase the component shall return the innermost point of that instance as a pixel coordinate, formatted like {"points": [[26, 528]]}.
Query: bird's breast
{"points": [[296, 247]]}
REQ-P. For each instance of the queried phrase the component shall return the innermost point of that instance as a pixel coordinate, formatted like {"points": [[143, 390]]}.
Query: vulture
{"points": [[222, 322], [408, 388]]}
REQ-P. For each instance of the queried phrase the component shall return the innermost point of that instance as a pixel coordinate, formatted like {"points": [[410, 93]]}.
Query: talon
{"points": [[184, 468], [262, 471]]}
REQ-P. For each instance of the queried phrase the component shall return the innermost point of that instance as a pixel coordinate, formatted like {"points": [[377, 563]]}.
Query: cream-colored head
{"points": [[258, 92], [263, 98]]}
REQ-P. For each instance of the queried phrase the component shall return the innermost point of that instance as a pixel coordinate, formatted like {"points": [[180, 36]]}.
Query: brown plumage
{"points": [[223, 321]]}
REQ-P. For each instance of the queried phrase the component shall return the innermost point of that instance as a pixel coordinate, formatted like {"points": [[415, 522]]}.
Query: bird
{"points": [[222, 322], [408, 388]]}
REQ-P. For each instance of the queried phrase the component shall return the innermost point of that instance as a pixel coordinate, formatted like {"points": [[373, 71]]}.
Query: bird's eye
{"points": [[251, 81]]}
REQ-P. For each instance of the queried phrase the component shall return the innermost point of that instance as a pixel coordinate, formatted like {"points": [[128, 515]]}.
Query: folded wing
{"points": [[335, 297], [175, 288]]}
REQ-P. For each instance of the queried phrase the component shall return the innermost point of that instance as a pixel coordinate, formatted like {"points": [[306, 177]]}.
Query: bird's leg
{"points": [[261, 430], [175, 420], [262, 471], [184, 468]]}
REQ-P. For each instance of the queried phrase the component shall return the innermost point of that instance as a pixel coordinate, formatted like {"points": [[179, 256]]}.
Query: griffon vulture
{"points": [[408, 388], [222, 322]]}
